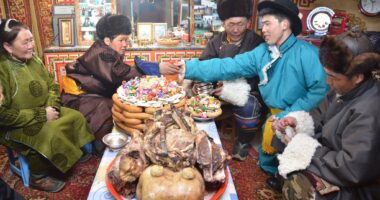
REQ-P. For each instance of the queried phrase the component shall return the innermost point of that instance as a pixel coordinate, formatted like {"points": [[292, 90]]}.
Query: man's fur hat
{"points": [[112, 26], [339, 53], [234, 8]]}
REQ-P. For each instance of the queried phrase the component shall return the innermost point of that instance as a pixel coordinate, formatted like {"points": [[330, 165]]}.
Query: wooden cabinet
{"points": [[56, 58]]}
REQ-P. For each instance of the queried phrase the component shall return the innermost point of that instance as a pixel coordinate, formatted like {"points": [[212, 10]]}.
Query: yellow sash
{"points": [[268, 134], [70, 86]]}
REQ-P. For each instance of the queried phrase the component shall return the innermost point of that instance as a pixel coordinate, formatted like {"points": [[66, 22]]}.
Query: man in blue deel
{"points": [[291, 75]]}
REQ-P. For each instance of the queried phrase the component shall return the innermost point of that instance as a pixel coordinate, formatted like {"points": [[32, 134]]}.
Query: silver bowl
{"points": [[115, 140]]}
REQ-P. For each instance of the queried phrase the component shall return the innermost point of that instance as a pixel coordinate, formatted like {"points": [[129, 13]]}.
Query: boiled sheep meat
{"points": [[128, 166], [211, 159], [169, 141]]}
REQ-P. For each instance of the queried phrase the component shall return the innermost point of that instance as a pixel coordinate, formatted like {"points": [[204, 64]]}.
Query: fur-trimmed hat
{"points": [[234, 8], [113, 25], [286, 7], [338, 53]]}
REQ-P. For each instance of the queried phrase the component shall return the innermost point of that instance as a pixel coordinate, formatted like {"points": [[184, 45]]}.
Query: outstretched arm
{"points": [[242, 65], [155, 68]]}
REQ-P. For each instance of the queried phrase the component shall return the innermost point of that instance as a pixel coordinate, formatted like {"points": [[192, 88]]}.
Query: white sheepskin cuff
{"points": [[236, 92], [297, 155], [305, 123]]}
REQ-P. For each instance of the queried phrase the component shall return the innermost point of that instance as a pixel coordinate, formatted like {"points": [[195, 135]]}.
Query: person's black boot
{"points": [[275, 183], [242, 145], [240, 151]]}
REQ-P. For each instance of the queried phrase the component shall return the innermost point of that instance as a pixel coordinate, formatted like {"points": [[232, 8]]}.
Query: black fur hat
{"points": [[288, 8], [113, 25], [234, 8]]}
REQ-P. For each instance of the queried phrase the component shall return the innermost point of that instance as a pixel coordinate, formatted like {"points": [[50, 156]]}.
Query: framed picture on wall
{"points": [[66, 31], [88, 14], [144, 31], [64, 2], [159, 29]]}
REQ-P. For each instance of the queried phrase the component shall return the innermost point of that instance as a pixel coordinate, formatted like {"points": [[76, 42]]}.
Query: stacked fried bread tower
{"points": [[137, 100]]}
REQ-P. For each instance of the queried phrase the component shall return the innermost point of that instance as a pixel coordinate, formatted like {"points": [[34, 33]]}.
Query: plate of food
{"points": [[150, 91], [203, 107]]}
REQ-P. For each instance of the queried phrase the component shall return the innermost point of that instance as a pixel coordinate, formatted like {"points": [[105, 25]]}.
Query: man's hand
{"points": [[51, 113], [194, 88], [281, 124], [167, 68], [287, 140], [182, 69], [218, 90], [286, 127]]}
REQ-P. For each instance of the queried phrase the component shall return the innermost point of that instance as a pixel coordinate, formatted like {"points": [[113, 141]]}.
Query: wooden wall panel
{"points": [[3, 13]]}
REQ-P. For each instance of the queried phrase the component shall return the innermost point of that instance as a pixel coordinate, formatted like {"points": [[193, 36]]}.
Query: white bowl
{"points": [[115, 140]]}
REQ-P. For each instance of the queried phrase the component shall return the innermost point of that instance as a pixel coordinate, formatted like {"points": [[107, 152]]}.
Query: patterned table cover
{"points": [[99, 189]]}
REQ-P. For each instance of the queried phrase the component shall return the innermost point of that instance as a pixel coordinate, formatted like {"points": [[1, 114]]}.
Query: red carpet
{"points": [[248, 178], [78, 181]]}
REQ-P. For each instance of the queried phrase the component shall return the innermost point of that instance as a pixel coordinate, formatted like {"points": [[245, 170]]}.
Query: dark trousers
{"points": [[7, 193]]}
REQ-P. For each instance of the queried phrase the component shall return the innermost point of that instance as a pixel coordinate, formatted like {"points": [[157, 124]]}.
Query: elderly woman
{"points": [[341, 161], [96, 75], [32, 122]]}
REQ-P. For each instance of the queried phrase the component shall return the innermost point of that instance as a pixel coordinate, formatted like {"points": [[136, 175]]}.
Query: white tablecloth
{"points": [[99, 190]]}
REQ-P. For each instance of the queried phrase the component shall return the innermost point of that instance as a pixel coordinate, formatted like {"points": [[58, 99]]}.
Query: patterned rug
{"points": [[78, 180], [248, 178]]}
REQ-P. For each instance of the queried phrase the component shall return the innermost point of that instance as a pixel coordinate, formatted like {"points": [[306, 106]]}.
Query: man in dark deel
{"points": [[237, 39], [334, 151]]}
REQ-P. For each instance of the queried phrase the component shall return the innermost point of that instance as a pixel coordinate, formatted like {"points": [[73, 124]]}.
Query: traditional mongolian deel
{"points": [[28, 90]]}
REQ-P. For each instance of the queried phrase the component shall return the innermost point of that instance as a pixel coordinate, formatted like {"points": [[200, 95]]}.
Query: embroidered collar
{"points": [[15, 60], [226, 41], [238, 43]]}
